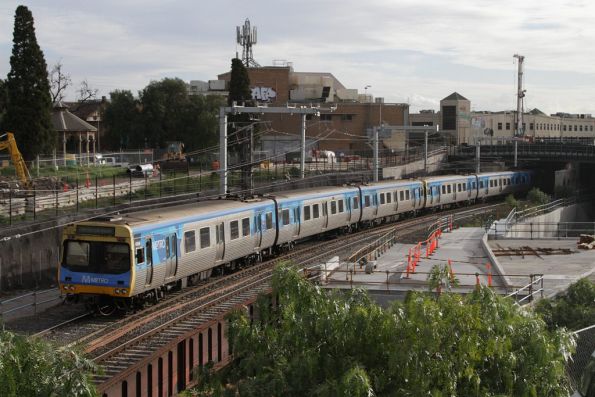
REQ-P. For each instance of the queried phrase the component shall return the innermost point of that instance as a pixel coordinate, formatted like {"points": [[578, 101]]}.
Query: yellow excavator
{"points": [[8, 142]]}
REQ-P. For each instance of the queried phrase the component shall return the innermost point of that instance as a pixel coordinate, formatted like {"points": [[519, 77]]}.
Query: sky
{"points": [[406, 51]]}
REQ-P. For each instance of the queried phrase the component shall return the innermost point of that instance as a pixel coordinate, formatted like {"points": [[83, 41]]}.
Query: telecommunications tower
{"points": [[246, 37]]}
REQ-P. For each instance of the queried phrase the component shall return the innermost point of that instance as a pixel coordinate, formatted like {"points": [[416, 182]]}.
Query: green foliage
{"points": [[441, 276], [32, 367], [239, 84], [28, 108], [537, 197], [163, 112], [329, 343], [3, 102], [511, 202], [573, 310]]}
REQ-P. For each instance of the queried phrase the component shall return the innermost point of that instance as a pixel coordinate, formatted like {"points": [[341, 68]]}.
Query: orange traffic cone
{"points": [[88, 181]]}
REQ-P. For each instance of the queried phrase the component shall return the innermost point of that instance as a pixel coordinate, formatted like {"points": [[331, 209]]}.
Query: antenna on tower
{"points": [[246, 37], [520, 131]]}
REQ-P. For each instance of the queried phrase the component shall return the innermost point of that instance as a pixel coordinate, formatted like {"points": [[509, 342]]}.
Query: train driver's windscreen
{"points": [[96, 257]]}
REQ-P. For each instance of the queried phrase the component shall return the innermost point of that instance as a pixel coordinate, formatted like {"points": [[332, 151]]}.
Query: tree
{"points": [[329, 343], [59, 82], [28, 111], [32, 367], [573, 310], [3, 100], [121, 120], [86, 93]]}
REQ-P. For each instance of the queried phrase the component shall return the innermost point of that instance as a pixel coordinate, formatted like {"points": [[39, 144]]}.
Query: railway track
{"points": [[120, 344]]}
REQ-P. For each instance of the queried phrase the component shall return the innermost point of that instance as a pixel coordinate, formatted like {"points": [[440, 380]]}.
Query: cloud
{"points": [[421, 50]]}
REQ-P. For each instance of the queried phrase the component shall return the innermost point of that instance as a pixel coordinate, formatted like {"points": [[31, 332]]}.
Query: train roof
{"points": [[313, 192], [448, 178], [195, 210]]}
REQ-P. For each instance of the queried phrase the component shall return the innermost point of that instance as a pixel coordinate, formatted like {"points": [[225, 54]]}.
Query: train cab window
{"points": [[268, 220], [355, 203], [205, 237], [97, 257], [285, 216], [315, 211], [388, 198], [246, 227], [366, 201], [234, 230], [448, 189], [443, 189], [406, 195], [341, 206], [189, 241], [306, 212], [333, 207], [140, 255], [401, 195], [382, 198]]}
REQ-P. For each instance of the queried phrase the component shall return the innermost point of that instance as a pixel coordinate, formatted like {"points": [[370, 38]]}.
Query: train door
{"points": [[149, 261], [375, 203], [258, 230], [171, 257], [325, 214], [296, 221], [396, 201], [220, 241], [455, 188]]}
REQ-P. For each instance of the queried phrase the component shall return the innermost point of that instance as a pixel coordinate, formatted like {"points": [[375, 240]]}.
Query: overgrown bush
{"points": [[573, 310], [537, 197]]}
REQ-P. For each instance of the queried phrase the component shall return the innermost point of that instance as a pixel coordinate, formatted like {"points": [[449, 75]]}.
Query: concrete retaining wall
{"points": [[546, 225], [402, 171]]}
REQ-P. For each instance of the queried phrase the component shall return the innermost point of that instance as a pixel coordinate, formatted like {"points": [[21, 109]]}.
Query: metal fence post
{"points": [[145, 186], [77, 194], [114, 189], [96, 191], [174, 182], [56, 201], [160, 178], [10, 205], [130, 188], [34, 203]]}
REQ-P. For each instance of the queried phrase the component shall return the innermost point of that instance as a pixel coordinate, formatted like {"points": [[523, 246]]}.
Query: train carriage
{"points": [[398, 197], [447, 190]]}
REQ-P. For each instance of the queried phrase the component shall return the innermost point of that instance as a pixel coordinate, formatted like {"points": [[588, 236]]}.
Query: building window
{"points": [[591, 128], [449, 117], [325, 117], [346, 117], [531, 126], [564, 128], [580, 128], [499, 126], [575, 127], [507, 126]]}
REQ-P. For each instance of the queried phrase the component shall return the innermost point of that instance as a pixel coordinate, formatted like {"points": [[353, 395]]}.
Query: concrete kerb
{"points": [[497, 266]]}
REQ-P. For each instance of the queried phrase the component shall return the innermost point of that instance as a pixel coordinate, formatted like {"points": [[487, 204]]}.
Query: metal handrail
{"points": [[35, 302]]}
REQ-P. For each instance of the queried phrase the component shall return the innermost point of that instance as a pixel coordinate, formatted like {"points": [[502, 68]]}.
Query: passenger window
{"points": [[401, 196], [448, 189], [285, 217], [406, 195], [315, 211], [355, 203], [388, 198], [205, 237], [189, 241], [333, 207], [443, 189], [366, 201], [459, 188], [140, 255], [167, 247], [220, 233], [341, 206], [381, 198], [269, 220], [306, 213], [234, 230], [246, 227]]}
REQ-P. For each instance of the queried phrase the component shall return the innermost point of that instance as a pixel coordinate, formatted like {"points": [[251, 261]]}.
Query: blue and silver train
{"points": [[136, 257]]}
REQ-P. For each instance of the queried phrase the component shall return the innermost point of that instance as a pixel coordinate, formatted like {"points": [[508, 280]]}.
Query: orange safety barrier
{"points": [[489, 267], [451, 272], [65, 187], [88, 181]]}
